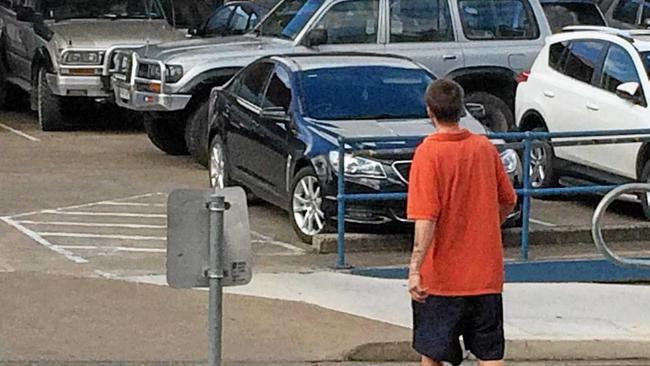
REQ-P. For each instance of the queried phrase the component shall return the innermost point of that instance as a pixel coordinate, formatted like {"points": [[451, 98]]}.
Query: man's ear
{"points": [[429, 113]]}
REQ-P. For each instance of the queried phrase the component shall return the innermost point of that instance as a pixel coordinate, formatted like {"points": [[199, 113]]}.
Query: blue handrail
{"points": [[526, 139]]}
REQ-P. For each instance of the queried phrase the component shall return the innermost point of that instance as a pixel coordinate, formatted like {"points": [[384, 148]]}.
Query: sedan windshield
{"points": [[562, 15], [289, 18], [111, 9], [365, 92]]}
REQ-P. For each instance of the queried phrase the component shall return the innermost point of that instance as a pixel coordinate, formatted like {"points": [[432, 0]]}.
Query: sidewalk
{"points": [[296, 317]]}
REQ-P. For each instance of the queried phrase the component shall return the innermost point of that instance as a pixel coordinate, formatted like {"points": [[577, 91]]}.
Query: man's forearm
{"points": [[424, 233]]}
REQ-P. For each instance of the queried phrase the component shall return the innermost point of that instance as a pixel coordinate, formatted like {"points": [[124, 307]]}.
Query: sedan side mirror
{"points": [[25, 14], [315, 37], [476, 110], [629, 91], [275, 113]]}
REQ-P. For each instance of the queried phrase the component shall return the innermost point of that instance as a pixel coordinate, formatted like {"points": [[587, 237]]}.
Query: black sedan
{"points": [[274, 130]]}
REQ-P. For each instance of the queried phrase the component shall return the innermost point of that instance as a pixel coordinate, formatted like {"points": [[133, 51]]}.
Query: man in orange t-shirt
{"points": [[459, 195]]}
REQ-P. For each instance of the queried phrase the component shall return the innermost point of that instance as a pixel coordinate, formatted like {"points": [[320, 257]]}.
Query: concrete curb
{"points": [[520, 350], [326, 243]]}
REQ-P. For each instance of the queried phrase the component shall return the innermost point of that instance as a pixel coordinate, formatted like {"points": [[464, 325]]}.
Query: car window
{"points": [[364, 92], [557, 54], [627, 11], [645, 14], [582, 58], [252, 82], [241, 20], [189, 13], [354, 21], [560, 15], [278, 94], [288, 19], [618, 69], [420, 21], [110, 9], [218, 23], [497, 20]]}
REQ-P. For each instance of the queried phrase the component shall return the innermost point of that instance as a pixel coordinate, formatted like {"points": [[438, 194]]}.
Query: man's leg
{"points": [[491, 363], [426, 361]]}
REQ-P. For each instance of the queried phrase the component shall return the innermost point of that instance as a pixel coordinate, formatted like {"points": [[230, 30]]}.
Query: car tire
{"points": [[167, 135], [498, 116], [542, 172], [51, 108], [218, 163], [645, 197], [196, 134], [305, 191]]}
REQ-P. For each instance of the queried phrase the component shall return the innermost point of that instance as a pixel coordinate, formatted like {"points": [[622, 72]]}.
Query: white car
{"points": [[589, 79]]}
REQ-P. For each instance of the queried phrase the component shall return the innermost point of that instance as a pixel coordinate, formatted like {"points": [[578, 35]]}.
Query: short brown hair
{"points": [[445, 100]]}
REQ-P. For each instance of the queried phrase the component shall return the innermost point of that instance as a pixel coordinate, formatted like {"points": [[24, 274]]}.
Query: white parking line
{"points": [[20, 133], [133, 204], [543, 223], [113, 249], [268, 240], [39, 239], [102, 236], [91, 213], [91, 224]]}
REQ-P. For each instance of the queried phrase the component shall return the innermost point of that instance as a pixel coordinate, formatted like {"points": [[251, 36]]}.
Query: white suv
{"points": [[589, 79]]}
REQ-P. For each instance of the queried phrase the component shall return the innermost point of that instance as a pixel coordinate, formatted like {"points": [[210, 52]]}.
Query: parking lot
{"points": [[93, 201]]}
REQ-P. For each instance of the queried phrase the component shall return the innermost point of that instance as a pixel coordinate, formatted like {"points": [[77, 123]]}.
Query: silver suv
{"points": [[482, 44], [60, 51]]}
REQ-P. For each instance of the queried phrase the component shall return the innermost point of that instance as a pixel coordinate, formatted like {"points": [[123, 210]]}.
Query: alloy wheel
{"points": [[306, 205], [217, 166], [538, 167]]}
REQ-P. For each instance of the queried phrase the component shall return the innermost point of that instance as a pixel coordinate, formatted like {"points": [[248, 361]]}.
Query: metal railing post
{"points": [[525, 208], [217, 207], [340, 207]]}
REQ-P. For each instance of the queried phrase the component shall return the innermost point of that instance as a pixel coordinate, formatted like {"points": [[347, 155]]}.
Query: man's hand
{"points": [[418, 293]]}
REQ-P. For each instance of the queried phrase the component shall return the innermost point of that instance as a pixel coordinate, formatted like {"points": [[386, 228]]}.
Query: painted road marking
{"points": [[20, 133], [114, 214], [102, 236], [39, 239], [268, 240], [543, 223], [91, 224], [114, 249]]}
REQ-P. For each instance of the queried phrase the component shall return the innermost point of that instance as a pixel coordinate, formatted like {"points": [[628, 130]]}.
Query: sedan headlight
{"points": [[83, 58], [358, 167], [510, 160]]}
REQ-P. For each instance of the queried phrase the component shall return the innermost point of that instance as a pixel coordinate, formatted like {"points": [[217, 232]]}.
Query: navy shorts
{"points": [[440, 321]]}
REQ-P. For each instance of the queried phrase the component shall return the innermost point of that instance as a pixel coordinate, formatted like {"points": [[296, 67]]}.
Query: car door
{"points": [[352, 26], [275, 131], [16, 51], [566, 95], [423, 31], [606, 111], [501, 32], [242, 133]]}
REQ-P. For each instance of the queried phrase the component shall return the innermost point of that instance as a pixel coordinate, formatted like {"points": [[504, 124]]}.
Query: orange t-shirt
{"points": [[458, 181]]}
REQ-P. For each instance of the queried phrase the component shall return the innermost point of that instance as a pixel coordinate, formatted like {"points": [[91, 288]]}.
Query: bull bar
{"points": [[519, 141]]}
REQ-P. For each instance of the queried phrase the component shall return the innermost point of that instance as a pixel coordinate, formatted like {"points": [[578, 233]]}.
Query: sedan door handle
{"points": [[449, 57], [549, 94], [593, 107]]}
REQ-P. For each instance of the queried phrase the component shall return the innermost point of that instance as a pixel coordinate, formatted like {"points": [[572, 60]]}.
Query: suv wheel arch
{"points": [[642, 158], [40, 60], [531, 120]]}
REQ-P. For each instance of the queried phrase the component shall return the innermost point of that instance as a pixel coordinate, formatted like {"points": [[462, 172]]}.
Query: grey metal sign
{"points": [[188, 238]]}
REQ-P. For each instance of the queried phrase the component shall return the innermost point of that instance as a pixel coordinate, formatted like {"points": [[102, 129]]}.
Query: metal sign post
{"points": [[217, 207], [208, 245]]}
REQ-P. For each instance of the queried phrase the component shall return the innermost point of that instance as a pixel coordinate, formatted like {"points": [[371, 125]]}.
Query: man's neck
{"points": [[449, 128]]}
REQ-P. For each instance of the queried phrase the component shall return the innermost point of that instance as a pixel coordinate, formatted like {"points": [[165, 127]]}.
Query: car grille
{"points": [[402, 169]]}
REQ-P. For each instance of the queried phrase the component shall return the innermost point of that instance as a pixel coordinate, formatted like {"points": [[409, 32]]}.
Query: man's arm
{"points": [[424, 234]]}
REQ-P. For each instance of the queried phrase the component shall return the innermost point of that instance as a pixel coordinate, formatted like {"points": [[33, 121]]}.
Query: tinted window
{"points": [[497, 19], [288, 19], [365, 92], [627, 11], [645, 57], [645, 15], [351, 22], [420, 21], [562, 15], [189, 13], [618, 69], [218, 23], [241, 20], [582, 59], [557, 55], [278, 93], [252, 82]]}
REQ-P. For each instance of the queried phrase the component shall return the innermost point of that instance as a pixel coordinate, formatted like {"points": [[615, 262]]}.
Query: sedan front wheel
{"points": [[306, 202]]}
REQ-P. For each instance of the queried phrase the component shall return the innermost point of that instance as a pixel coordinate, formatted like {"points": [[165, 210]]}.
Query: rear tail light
{"points": [[523, 77]]}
